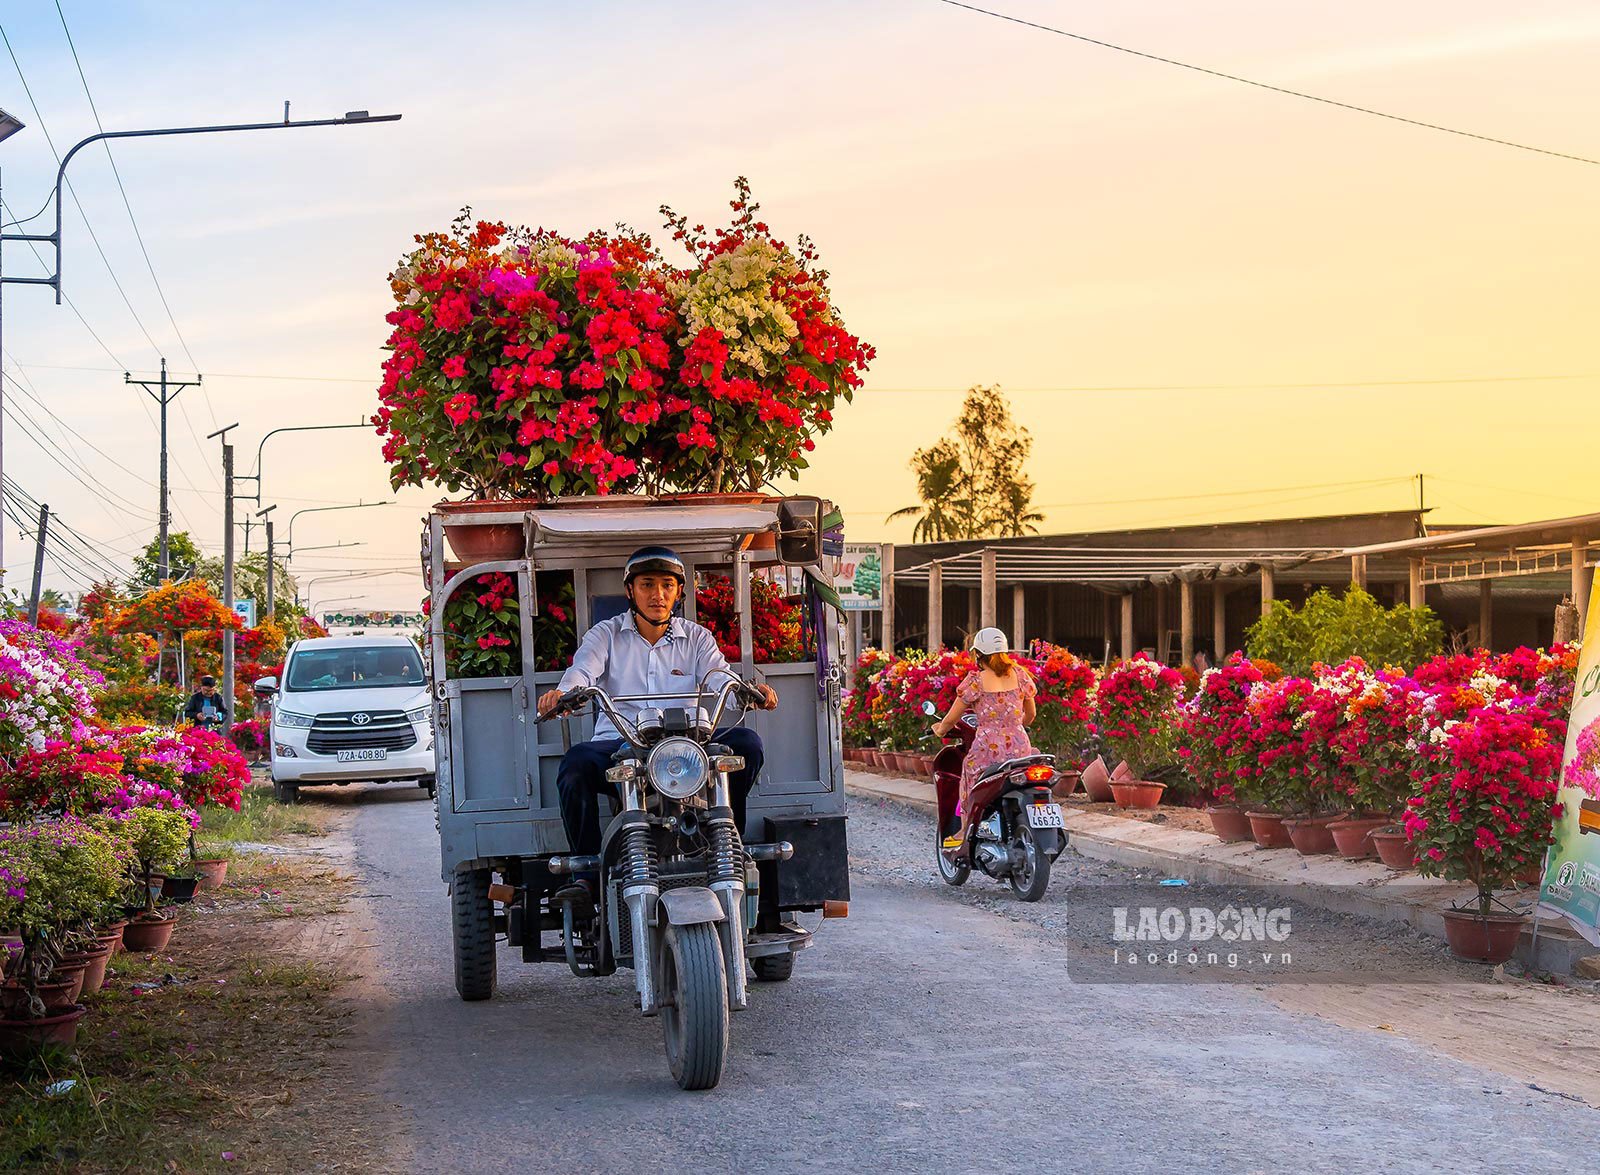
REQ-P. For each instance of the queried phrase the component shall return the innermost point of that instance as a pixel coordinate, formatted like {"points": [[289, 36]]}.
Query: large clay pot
{"points": [[1353, 838], [486, 542], [20, 1038], [1066, 783], [1267, 830], [56, 994], [94, 974], [1097, 782], [212, 872], [1137, 793], [72, 973], [113, 934], [1482, 938], [1229, 822], [1311, 836], [1393, 850], [141, 935]]}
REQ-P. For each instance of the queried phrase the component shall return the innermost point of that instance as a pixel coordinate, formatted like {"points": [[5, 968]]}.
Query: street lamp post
{"points": [[256, 476], [321, 509], [9, 125]]}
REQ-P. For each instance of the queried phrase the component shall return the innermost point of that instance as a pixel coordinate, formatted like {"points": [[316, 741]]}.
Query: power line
{"points": [[133, 220], [1244, 81]]}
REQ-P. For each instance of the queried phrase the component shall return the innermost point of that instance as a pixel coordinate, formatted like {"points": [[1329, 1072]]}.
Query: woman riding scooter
{"points": [[1001, 693]]}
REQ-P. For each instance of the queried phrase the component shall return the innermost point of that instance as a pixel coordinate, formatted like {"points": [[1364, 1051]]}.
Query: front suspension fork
{"points": [[726, 880], [640, 870]]}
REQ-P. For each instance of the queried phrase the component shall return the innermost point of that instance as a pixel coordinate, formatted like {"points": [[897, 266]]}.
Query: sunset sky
{"points": [[1207, 300]]}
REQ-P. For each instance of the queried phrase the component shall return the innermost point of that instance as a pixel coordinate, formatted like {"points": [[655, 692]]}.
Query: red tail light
{"points": [[1038, 774]]}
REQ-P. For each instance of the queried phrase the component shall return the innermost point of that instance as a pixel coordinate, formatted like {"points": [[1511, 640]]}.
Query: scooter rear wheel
{"points": [[952, 872], [1031, 877]]}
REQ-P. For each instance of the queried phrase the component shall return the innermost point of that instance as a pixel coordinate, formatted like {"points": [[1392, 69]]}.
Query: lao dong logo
{"points": [[1152, 924]]}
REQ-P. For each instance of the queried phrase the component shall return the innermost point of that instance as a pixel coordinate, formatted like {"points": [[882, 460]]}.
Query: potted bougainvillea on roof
{"points": [[528, 365]]}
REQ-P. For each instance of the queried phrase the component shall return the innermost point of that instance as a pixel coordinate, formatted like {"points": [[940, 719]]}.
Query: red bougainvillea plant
{"points": [[529, 364]]}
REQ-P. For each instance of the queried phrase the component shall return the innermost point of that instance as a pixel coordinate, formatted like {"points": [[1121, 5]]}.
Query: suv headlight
{"points": [[678, 767], [290, 719], [420, 714]]}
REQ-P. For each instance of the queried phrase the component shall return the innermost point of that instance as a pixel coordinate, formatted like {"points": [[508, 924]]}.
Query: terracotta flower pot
{"points": [[1482, 938], [484, 542], [70, 973], [113, 933], [21, 1038], [57, 997], [1532, 875], [1311, 836], [1066, 783], [1353, 838], [1229, 822], [213, 872], [1393, 850], [925, 766], [1097, 782], [1122, 773], [94, 974], [1137, 793], [1267, 829], [149, 935]]}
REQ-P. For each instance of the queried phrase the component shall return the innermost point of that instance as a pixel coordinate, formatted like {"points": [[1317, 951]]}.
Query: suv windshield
{"points": [[353, 668]]}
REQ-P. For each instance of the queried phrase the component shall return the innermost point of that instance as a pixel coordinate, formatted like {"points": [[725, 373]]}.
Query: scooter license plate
{"points": [[364, 755], [1045, 816]]}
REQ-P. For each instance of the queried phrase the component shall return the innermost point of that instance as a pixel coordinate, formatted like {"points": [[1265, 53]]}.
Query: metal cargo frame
{"points": [[496, 770]]}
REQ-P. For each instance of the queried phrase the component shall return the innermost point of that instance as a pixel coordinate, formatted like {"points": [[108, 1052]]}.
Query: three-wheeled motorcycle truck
{"points": [[695, 906]]}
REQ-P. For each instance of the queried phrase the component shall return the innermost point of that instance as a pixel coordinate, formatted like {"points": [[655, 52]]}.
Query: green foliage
{"points": [[972, 483], [157, 838], [183, 554], [1330, 629]]}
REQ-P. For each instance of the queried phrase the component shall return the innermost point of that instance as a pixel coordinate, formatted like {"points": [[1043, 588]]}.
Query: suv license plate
{"points": [[368, 754], [1045, 816]]}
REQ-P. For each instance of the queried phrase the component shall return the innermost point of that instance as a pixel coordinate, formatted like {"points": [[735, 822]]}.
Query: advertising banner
{"points": [[1571, 883], [858, 577], [373, 619], [247, 612]]}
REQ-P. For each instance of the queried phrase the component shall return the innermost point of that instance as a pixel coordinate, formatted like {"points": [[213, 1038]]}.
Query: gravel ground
{"points": [[934, 1030]]}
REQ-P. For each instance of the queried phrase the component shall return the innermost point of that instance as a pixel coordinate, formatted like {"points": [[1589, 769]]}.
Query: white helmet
{"points": [[988, 641]]}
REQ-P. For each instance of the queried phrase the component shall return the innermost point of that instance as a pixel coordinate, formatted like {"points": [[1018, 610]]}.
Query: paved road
{"points": [[932, 1031]]}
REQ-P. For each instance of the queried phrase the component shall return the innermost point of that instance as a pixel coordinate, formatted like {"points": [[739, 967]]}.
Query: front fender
{"points": [[691, 904]]}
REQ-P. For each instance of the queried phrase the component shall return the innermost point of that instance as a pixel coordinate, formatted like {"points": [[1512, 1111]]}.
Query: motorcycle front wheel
{"points": [[696, 1022], [1031, 876]]}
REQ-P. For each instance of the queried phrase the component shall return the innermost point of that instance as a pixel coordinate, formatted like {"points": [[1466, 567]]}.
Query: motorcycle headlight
{"points": [[678, 767], [288, 718], [420, 714]]}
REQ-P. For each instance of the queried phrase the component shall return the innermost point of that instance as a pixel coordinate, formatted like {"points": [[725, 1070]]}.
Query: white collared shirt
{"points": [[615, 656]]}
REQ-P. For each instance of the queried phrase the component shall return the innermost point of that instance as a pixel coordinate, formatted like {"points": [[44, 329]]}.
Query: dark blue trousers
{"points": [[583, 773]]}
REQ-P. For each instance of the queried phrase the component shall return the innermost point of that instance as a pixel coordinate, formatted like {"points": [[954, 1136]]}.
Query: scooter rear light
{"points": [[1038, 774]]}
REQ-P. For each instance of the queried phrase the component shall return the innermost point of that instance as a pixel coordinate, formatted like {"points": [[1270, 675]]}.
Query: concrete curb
{"points": [[1364, 888]]}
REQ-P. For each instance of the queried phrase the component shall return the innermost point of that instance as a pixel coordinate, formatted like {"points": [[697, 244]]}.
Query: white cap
{"points": [[987, 641]]}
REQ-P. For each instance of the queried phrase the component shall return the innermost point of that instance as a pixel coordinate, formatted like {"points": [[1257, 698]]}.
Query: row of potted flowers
{"points": [[1451, 767]]}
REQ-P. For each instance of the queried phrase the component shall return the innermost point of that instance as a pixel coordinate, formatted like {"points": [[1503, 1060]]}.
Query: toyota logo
{"points": [[360, 719]]}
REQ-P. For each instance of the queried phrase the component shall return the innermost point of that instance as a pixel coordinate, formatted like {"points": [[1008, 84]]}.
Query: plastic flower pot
{"points": [[1353, 837], [1482, 938], [1392, 848], [212, 873], [179, 889], [23, 1038], [1137, 793], [1311, 836], [1097, 782], [1229, 822], [149, 934], [1267, 829]]}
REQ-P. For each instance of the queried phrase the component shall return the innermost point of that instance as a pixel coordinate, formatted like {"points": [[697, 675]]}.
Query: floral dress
{"points": [[1000, 734]]}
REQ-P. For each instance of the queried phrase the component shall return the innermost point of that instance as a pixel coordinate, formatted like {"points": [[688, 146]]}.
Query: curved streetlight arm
{"points": [[289, 538], [61, 171], [256, 476]]}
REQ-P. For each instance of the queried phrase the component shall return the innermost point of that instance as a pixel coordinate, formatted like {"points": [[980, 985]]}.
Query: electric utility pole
{"points": [[164, 393], [266, 520], [38, 565], [227, 563]]}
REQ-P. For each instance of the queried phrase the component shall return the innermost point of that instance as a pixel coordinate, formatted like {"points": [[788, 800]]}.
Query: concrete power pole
{"points": [[269, 601], [38, 565], [227, 564], [165, 392]]}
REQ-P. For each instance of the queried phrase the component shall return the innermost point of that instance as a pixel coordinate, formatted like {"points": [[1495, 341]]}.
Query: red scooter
{"points": [[1015, 832]]}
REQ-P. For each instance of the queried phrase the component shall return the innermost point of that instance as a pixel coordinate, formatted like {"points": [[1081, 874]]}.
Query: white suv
{"points": [[349, 709]]}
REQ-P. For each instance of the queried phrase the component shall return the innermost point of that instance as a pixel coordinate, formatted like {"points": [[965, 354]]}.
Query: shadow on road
{"points": [[361, 794]]}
